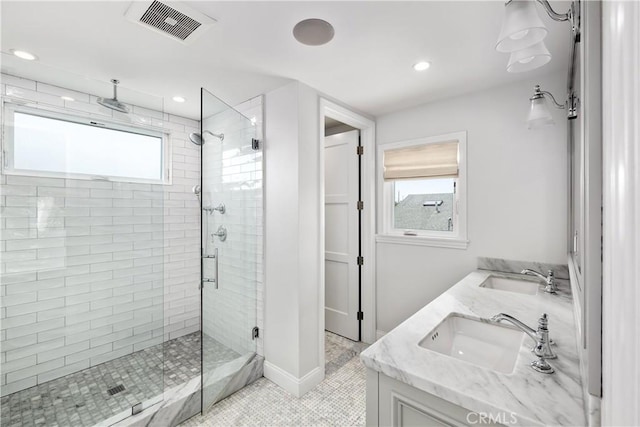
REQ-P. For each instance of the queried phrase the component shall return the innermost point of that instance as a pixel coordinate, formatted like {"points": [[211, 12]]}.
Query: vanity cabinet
{"points": [[394, 403]]}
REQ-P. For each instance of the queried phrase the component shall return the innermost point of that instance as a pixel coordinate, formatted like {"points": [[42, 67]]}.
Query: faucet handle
{"points": [[543, 345], [543, 322], [551, 287]]}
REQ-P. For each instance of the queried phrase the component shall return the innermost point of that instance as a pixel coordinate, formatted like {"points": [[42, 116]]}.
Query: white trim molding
{"points": [[380, 334], [422, 241], [367, 138], [296, 386], [621, 225], [457, 239]]}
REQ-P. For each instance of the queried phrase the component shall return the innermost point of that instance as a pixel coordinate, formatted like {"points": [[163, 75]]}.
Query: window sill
{"points": [[437, 242]]}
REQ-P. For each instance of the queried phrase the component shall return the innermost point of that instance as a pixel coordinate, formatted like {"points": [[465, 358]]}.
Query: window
{"points": [[424, 204], [423, 186], [45, 143]]}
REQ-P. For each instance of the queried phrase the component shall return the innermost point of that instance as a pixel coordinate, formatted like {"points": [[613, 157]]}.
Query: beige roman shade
{"points": [[439, 160]]}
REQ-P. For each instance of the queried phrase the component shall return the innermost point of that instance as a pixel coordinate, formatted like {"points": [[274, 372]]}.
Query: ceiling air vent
{"points": [[172, 19]]}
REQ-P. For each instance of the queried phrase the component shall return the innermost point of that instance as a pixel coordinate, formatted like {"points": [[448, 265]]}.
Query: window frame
{"points": [[386, 231], [10, 109]]}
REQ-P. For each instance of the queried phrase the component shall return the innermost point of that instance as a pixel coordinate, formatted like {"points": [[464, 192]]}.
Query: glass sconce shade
{"points": [[539, 113], [521, 26], [529, 58]]}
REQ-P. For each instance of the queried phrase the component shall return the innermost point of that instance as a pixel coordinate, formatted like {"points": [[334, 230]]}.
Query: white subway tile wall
{"points": [[95, 270], [233, 175]]}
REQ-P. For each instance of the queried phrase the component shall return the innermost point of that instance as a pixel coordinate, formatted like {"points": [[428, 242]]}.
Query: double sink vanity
{"points": [[495, 349]]}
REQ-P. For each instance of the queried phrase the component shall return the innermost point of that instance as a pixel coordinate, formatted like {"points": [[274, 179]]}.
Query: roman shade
{"points": [[439, 160]]}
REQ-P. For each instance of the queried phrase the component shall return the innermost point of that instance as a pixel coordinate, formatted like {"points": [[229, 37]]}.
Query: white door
{"points": [[341, 182]]}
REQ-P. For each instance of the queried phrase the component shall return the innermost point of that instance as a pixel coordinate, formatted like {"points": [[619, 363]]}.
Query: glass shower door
{"points": [[229, 245]]}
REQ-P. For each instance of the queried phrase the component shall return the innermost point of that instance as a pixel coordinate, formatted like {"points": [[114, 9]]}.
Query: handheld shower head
{"points": [[113, 103]]}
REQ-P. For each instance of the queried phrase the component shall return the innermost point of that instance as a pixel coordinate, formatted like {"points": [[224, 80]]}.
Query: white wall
{"points": [[94, 270], [294, 328], [517, 192], [621, 197], [292, 235]]}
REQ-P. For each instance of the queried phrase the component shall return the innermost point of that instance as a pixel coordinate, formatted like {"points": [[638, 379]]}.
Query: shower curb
{"points": [[184, 401]]}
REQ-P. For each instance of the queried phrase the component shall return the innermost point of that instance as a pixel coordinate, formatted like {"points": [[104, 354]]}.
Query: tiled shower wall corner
{"points": [[235, 177], [94, 270]]}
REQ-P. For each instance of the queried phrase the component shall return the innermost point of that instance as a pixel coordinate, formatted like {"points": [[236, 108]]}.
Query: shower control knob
{"points": [[221, 233]]}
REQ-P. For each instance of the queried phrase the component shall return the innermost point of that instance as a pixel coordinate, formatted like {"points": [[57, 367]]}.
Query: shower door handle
{"points": [[215, 254], [215, 279]]}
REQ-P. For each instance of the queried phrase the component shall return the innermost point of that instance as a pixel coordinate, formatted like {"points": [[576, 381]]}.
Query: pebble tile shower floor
{"points": [[339, 400], [83, 399]]}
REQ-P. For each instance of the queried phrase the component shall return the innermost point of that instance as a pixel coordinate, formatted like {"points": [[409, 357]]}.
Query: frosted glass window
{"points": [[45, 144]]}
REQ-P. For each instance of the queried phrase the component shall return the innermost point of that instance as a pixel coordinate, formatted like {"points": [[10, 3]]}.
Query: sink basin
{"points": [[510, 285], [488, 345]]}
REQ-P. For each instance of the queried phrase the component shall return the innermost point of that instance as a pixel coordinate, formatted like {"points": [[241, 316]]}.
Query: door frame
{"points": [[367, 294], [354, 271]]}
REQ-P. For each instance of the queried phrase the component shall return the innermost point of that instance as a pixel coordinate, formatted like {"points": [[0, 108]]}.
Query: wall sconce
{"points": [[521, 26], [528, 58], [539, 113], [523, 32]]}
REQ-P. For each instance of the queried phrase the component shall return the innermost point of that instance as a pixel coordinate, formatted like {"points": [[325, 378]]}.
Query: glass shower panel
{"points": [[82, 259], [229, 245]]}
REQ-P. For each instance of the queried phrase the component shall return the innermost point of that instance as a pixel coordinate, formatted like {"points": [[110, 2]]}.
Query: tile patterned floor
{"points": [[338, 401], [81, 399]]}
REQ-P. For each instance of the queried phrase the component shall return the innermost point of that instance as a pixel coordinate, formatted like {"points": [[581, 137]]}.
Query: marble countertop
{"points": [[534, 398]]}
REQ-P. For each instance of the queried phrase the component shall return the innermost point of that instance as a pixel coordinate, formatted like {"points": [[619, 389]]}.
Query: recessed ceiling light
{"points": [[313, 32], [23, 54], [67, 98], [179, 99], [421, 66]]}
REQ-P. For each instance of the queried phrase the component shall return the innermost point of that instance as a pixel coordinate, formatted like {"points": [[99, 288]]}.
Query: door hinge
{"points": [[360, 260], [360, 315], [255, 333], [360, 150], [255, 144], [360, 205]]}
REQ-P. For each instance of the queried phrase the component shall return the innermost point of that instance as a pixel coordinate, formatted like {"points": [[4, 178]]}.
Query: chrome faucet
{"points": [[549, 279], [542, 347]]}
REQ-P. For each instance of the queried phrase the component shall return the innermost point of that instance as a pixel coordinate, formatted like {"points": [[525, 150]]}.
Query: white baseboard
{"points": [[380, 334], [296, 386]]}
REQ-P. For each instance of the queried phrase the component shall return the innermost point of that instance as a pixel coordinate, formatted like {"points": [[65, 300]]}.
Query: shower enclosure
{"points": [[123, 296], [231, 192], [83, 257]]}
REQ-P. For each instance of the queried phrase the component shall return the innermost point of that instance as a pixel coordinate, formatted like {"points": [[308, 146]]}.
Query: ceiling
{"points": [[251, 50]]}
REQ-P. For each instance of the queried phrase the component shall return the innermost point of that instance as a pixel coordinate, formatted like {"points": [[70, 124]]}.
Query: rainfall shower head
{"points": [[197, 139], [113, 103]]}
